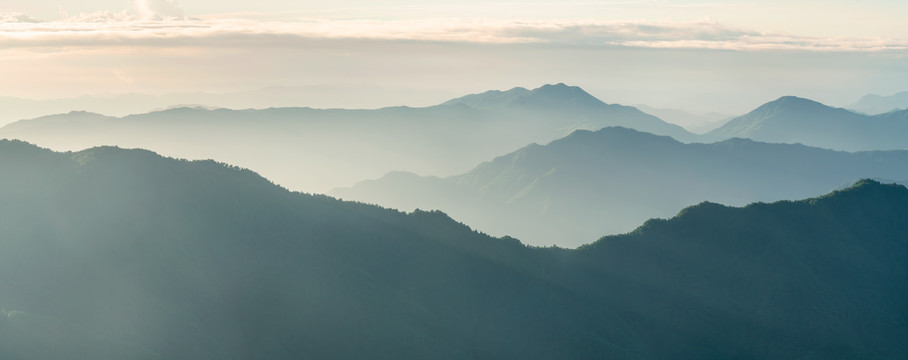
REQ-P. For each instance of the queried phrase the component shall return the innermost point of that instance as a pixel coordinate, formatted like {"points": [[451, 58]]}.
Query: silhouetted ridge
{"points": [[616, 133], [864, 190]]}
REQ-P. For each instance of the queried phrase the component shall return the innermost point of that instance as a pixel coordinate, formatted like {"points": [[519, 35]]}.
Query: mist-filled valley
{"points": [[575, 189], [601, 169], [315, 150]]}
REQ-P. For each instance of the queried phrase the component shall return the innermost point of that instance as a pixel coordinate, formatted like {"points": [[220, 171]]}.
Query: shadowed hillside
{"points": [[122, 254]]}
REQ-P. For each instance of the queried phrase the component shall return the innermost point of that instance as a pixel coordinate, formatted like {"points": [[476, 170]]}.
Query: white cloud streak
{"points": [[161, 23], [159, 9]]}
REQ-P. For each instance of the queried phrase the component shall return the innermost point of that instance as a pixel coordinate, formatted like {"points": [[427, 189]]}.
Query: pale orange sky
{"points": [[655, 52]]}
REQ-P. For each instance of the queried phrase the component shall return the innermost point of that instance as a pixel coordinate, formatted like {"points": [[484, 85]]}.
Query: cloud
{"points": [[159, 9], [161, 24], [17, 18]]}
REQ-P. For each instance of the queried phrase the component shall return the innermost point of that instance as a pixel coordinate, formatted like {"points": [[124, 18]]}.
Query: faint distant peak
{"points": [[546, 95], [793, 105], [186, 106], [879, 104], [871, 97], [182, 109], [80, 113], [72, 115]]}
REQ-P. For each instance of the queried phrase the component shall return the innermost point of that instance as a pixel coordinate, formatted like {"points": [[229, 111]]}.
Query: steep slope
{"points": [[795, 120], [121, 254], [591, 183], [315, 150]]}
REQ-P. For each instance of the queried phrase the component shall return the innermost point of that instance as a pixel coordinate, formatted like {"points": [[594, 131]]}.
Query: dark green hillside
{"points": [[198, 260], [820, 278], [122, 254]]}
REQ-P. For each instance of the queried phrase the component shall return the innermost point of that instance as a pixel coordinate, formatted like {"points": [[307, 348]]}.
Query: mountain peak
{"points": [[619, 133], [865, 187], [546, 95], [793, 103], [791, 119], [560, 93]]}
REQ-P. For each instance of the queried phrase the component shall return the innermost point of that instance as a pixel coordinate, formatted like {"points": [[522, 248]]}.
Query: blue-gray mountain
{"points": [[795, 120], [575, 189], [875, 104], [318, 149], [122, 254]]}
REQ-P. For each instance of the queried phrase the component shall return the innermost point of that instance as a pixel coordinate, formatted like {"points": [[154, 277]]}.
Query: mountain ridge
{"points": [[442, 139], [587, 184], [791, 119], [873, 104], [135, 256]]}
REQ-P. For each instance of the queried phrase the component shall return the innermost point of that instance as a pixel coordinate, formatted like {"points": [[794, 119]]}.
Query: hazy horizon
{"points": [[721, 56]]}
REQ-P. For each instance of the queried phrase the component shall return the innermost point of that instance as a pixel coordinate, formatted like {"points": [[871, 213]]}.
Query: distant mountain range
{"points": [[695, 123], [795, 120], [575, 189], [121, 254], [347, 96], [315, 149], [875, 104]]}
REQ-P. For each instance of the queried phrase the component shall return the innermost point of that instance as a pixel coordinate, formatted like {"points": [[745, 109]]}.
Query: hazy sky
{"points": [[723, 55]]}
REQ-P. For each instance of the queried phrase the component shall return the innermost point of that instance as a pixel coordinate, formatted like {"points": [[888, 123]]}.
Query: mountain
{"points": [[575, 189], [876, 104], [782, 268], [795, 120], [315, 150], [571, 102], [122, 254]]}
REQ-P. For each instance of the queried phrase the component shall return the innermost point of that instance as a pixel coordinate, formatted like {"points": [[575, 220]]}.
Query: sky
{"points": [[727, 56]]}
